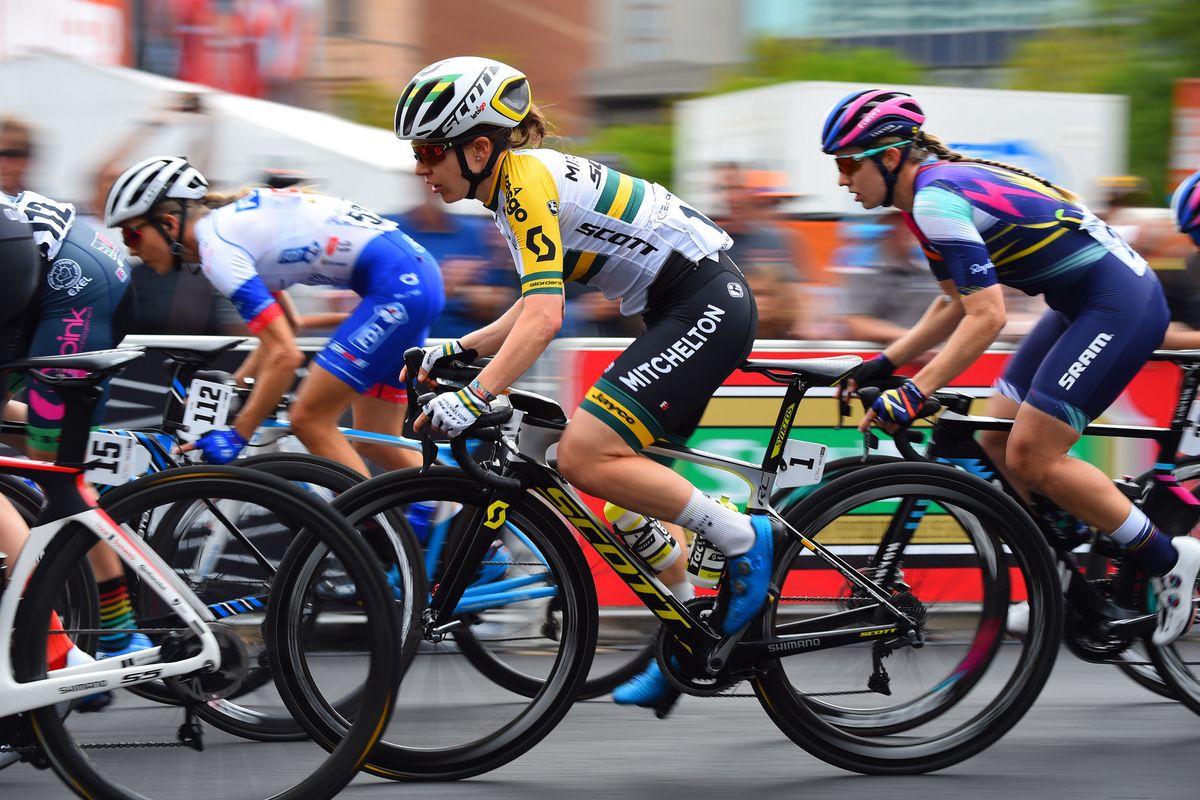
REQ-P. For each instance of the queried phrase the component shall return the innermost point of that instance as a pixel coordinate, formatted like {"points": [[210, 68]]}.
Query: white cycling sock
{"points": [[683, 591], [729, 531]]}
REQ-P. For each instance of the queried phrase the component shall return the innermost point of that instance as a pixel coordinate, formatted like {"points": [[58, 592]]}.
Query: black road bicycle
{"points": [[887, 649]]}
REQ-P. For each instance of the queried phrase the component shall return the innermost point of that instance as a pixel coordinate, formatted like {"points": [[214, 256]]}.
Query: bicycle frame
{"points": [[953, 442], [66, 486], [550, 487]]}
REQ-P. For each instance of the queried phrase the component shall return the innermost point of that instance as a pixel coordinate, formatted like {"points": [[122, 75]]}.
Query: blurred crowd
{"points": [[862, 278]]}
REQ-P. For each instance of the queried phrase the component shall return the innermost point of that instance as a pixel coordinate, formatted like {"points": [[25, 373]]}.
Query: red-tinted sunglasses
{"points": [[133, 236], [431, 153], [850, 164]]}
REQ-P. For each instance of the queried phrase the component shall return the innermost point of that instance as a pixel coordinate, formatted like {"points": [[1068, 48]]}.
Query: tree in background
{"points": [[648, 150], [1135, 49]]}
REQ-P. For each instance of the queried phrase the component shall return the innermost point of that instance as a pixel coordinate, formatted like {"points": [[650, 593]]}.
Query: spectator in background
{"points": [[589, 314], [16, 153], [479, 285], [180, 302], [1151, 232], [761, 245], [885, 284]]}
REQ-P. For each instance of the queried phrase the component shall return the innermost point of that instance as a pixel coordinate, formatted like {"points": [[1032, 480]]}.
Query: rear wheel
{"points": [[952, 552]]}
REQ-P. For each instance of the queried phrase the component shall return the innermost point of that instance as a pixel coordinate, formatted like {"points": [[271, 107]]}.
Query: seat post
{"points": [[79, 402]]}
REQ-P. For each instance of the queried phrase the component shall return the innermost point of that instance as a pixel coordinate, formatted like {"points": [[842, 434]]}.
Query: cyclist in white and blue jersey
{"points": [[255, 243], [983, 224]]}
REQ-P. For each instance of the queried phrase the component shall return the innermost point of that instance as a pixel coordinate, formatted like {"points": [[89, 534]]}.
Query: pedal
{"points": [[664, 706]]}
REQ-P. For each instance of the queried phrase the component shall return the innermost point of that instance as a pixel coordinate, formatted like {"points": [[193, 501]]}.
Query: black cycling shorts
{"points": [[20, 267], [701, 321]]}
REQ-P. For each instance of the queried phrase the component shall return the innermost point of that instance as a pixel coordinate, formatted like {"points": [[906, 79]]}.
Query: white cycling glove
{"points": [[454, 413], [434, 354]]}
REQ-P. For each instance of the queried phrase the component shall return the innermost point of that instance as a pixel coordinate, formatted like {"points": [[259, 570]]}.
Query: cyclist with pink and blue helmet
{"points": [[982, 225], [1185, 207]]}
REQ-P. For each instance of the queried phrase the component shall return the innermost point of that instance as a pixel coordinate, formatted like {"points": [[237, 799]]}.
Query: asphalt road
{"points": [[1092, 734]]}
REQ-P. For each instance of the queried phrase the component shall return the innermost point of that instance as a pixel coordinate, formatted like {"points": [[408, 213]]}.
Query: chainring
{"points": [[687, 672], [227, 679]]}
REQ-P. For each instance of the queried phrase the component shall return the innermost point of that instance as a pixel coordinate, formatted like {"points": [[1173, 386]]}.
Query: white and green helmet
{"points": [[460, 97]]}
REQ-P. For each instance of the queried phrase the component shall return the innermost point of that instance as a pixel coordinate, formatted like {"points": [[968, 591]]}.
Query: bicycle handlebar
{"points": [[902, 437], [486, 428]]}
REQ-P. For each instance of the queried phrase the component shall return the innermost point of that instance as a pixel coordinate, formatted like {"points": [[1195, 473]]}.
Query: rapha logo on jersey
{"points": [[387, 317], [300, 255], [553, 206], [677, 353], [735, 289], [977, 269], [1085, 358], [66, 275]]}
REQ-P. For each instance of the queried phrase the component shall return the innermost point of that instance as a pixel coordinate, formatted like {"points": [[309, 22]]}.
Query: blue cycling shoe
{"points": [[137, 643], [648, 689], [749, 575], [101, 700], [645, 689]]}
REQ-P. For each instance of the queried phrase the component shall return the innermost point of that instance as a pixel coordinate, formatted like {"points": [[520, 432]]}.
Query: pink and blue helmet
{"points": [[863, 118], [1185, 207]]}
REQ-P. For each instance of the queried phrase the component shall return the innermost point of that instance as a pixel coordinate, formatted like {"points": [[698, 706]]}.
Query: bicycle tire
{"points": [[864, 738], [1179, 662], [1133, 663], [467, 726], [332, 767], [257, 723], [27, 500]]}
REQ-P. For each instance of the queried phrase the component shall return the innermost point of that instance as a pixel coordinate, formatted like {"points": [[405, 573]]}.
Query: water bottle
{"points": [[707, 563], [648, 538]]}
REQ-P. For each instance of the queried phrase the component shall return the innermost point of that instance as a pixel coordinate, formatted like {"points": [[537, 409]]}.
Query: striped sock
{"points": [[1145, 543], [116, 615]]}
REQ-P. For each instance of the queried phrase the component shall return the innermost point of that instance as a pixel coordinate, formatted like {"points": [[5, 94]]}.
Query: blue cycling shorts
{"points": [[1082, 354], [402, 295]]}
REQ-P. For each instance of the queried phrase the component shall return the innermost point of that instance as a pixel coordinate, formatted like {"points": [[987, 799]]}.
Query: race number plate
{"points": [[110, 458], [207, 408], [803, 464]]}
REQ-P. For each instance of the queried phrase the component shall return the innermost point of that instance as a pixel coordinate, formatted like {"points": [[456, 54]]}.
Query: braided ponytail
{"points": [[934, 146]]}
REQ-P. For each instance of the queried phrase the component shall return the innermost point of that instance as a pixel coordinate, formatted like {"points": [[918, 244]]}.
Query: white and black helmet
{"points": [[138, 188], [459, 97]]}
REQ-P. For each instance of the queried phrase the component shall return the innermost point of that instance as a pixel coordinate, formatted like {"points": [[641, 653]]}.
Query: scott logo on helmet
{"points": [[467, 104]]}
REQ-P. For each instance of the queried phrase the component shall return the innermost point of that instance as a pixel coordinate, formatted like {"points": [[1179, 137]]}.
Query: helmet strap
{"points": [[477, 178], [890, 176], [175, 245]]}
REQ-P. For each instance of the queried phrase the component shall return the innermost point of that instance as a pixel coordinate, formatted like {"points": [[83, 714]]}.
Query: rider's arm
{"points": [[537, 322], [982, 320], [934, 327], [520, 336], [487, 340], [278, 360], [944, 221]]}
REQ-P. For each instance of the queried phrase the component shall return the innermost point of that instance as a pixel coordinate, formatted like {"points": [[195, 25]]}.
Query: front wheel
{"points": [[952, 552], [451, 721]]}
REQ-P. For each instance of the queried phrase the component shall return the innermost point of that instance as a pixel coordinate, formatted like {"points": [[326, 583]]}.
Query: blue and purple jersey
{"points": [[981, 225]]}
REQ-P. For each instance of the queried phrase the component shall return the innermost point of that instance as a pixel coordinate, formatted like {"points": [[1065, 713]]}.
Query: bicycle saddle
{"points": [[817, 371], [100, 362]]}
